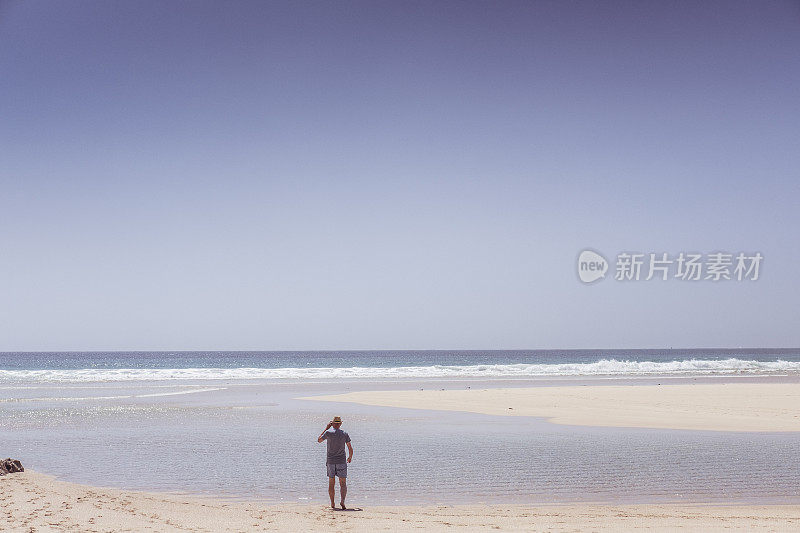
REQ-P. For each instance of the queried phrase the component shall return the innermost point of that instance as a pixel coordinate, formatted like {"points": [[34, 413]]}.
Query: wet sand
{"points": [[37, 502]]}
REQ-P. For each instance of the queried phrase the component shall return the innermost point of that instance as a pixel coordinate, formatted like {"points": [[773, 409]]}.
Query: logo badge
{"points": [[591, 266]]}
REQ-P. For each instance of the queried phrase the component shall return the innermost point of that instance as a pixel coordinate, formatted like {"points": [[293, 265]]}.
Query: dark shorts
{"points": [[337, 470]]}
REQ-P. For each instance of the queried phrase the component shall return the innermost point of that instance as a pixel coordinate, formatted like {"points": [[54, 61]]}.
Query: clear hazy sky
{"points": [[393, 175]]}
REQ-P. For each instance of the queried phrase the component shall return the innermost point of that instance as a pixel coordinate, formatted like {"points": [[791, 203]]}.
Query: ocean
{"points": [[231, 424], [70, 367]]}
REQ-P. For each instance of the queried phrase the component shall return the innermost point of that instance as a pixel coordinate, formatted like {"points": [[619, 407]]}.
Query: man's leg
{"points": [[343, 489], [332, 490]]}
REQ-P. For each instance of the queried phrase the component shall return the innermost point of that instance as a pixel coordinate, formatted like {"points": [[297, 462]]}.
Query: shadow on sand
{"points": [[349, 509]]}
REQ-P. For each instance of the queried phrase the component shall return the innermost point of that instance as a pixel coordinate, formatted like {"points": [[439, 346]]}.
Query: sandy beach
{"points": [[37, 502], [737, 481], [763, 407]]}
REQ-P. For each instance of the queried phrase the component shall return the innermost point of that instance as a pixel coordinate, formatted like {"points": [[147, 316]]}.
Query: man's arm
{"points": [[322, 435], [350, 449]]}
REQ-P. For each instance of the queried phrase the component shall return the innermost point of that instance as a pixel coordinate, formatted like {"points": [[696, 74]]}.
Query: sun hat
{"points": [[337, 420]]}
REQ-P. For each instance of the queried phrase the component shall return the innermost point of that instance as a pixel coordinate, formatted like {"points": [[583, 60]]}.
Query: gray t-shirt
{"points": [[336, 439]]}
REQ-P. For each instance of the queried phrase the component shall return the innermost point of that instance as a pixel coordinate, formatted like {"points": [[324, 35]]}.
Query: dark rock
{"points": [[9, 466]]}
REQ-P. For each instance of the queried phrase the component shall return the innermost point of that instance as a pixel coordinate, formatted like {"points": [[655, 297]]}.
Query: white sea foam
{"points": [[123, 397], [605, 367]]}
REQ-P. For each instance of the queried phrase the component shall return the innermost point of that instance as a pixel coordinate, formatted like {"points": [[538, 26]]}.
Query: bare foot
{"points": [[343, 507], [333, 506]]}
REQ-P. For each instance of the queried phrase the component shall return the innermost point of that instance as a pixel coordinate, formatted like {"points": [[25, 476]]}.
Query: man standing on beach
{"points": [[337, 466]]}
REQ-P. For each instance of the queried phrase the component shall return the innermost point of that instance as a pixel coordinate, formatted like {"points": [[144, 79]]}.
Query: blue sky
{"points": [[407, 175]]}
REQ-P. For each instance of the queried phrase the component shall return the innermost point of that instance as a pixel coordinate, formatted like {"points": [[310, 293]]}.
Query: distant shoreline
{"points": [[757, 407]]}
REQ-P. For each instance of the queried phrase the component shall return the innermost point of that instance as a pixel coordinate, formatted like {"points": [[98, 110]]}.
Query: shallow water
{"points": [[253, 440]]}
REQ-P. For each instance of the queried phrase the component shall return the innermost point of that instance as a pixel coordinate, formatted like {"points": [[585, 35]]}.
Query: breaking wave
{"points": [[604, 367]]}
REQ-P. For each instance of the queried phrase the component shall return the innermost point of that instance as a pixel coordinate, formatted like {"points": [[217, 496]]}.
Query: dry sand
{"points": [[34, 502], [716, 407]]}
